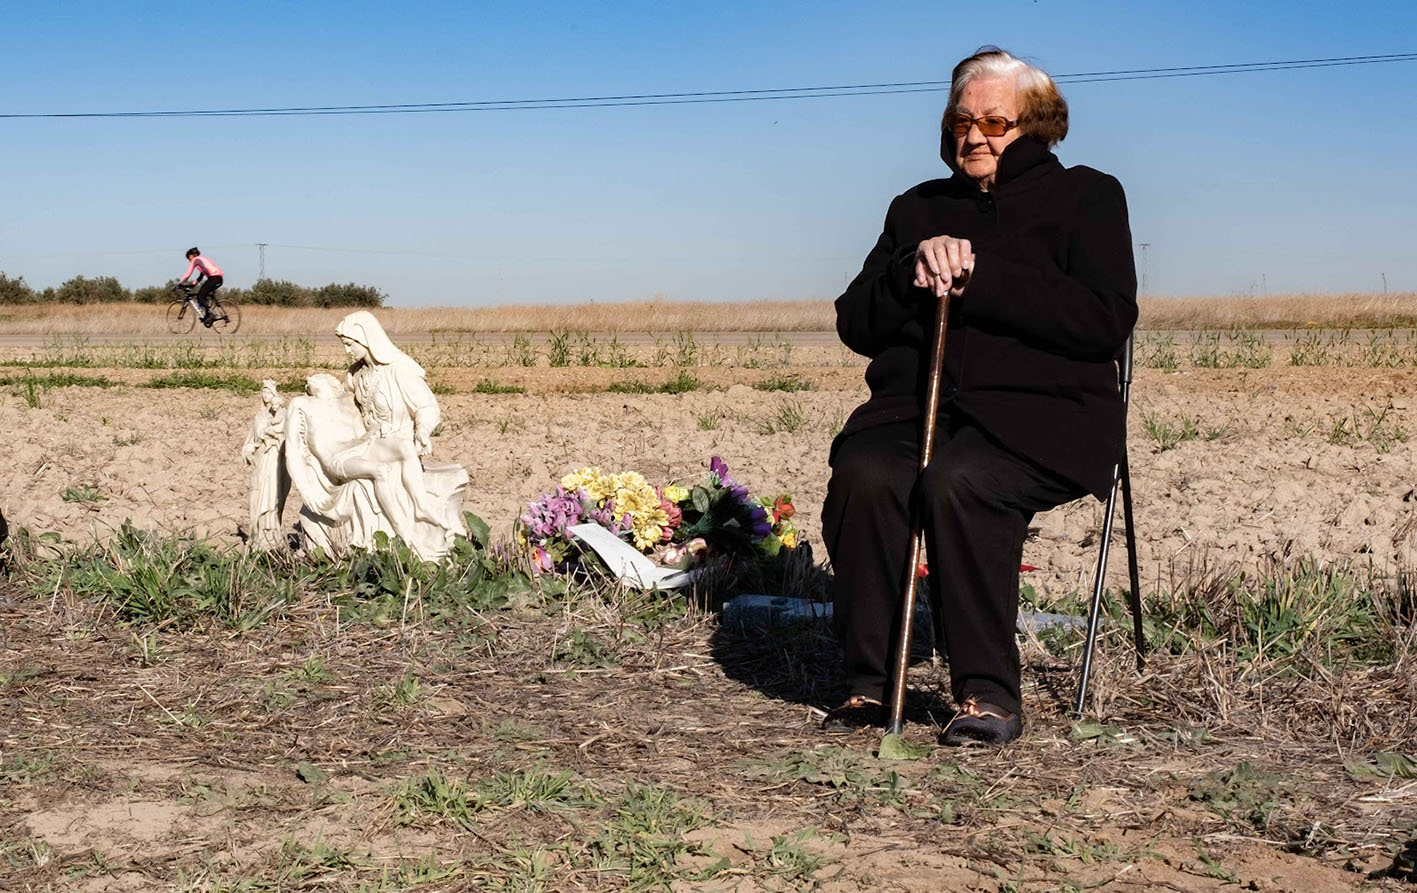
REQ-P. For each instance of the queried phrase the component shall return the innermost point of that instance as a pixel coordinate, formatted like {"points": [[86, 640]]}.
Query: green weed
{"points": [[488, 386], [236, 384], [521, 352], [558, 349], [682, 383], [56, 380], [789, 383], [582, 649], [1368, 425], [788, 418], [85, 493], [632, 386], [1158, 352], [1170, 432]]}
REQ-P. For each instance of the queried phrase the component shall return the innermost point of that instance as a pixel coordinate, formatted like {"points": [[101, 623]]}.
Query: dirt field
{"points": [[663, 749]]}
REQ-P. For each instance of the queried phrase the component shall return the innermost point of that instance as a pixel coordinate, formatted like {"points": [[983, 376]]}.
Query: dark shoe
{"points": [[982, 723], [856, 712]]}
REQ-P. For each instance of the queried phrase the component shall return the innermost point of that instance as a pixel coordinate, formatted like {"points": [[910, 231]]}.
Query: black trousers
{"points": [[205, 290], [975, 500]]}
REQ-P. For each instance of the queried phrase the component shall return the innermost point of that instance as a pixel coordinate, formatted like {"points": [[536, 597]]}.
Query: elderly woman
{"points": [[1037, 258]]}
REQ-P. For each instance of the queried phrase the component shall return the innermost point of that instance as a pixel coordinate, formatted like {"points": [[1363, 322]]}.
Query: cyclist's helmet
{"points": [[193, 252]]}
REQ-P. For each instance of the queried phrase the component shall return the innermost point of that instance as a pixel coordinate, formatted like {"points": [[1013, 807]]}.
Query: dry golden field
{"points": [[1359, 310], [345, 737]]}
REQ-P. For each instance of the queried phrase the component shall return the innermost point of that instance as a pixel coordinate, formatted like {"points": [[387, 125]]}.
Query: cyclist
{"points": [[209, 275]]}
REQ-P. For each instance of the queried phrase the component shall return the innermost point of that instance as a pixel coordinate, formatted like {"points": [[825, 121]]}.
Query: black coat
{"points": [[1030, 348]]}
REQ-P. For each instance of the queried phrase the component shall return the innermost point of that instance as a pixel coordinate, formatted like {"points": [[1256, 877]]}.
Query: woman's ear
{"points": [[947, 146]]}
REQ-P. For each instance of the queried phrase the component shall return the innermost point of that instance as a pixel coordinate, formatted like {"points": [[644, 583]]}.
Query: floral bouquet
{"points": [[678, 526]]}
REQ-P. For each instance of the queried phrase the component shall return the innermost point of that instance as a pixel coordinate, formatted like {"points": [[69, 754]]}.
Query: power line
{"points": [[719, 96]]}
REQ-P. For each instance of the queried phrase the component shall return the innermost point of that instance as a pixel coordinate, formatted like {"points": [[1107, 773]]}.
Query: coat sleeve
{"points": [[881, 300], [1085, 310]]}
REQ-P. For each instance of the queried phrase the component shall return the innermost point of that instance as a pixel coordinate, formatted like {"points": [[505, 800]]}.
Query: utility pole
{"points": [[262, 247], [1384, 283], [1145, 273]]}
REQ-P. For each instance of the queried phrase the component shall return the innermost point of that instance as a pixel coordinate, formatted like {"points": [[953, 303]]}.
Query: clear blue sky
{"points": [[1290, 181]]}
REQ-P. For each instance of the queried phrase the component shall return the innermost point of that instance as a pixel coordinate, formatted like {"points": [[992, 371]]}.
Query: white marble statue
{"points": [[356, 454], [264, 452]]}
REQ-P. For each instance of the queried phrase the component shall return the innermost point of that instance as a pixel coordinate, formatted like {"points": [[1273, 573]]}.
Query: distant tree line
{"points": [[106, 289]]}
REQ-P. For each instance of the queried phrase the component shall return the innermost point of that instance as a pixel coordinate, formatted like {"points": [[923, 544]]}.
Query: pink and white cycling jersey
{"points": [[201, 262]]}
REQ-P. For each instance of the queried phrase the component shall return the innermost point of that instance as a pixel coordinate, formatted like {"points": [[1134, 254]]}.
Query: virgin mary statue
{"points": [[360, 465]]}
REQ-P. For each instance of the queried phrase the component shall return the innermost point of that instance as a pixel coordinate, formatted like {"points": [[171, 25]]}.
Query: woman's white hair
{"points": [[1043, 112]]}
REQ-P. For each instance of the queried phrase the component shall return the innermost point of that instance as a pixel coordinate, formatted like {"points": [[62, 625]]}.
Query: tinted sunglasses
{"points": [[989, 125]]}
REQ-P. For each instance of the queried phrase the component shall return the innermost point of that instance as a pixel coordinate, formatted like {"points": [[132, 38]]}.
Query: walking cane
{"points": [[896, 723]]}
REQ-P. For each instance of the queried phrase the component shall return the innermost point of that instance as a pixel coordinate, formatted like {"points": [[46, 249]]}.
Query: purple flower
{"points": [[605, 516], [548, 517], [718, 469], [761, 523]]}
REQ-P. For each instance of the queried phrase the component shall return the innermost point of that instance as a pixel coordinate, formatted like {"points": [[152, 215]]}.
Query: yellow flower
{"points": [[675, 493], [789, 537]]}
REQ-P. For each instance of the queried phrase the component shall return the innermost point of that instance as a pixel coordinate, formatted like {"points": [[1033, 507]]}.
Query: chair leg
{"points": [[1096, 609], [1134, 577]]}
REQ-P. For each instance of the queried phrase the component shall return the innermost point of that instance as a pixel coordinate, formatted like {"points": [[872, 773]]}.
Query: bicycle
{"points": [[184, 311]]}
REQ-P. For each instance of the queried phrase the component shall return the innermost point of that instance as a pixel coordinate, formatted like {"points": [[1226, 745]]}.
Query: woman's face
{"points": [[354, 349], [977, 155]]}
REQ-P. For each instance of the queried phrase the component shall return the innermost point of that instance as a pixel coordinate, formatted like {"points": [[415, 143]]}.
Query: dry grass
{"points": [[629, 316], [1357, 310]]}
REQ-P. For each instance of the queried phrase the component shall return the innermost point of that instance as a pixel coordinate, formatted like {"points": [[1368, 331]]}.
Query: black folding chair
{"points": [[1120, 474]]}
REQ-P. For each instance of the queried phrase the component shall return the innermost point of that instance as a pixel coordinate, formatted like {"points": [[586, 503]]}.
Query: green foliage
{"points": [[789, 383], [896, 747], [1170, 432], [1158, 352], [682, 383], [385, 583], [144, 578], [789, 418], [488, 386], [107, 289], [102, 290], [1290, 620], [787, 859], [183, 582], [1315, 347], [583, 649], [1241, 792], [153, 294], [57, 380], [280, 293], [521, 352], [236, 384], [1237, 348], [1371, 426], [632, 386], [85, 493], [14, 290], [1384, 765], [558, 349]]}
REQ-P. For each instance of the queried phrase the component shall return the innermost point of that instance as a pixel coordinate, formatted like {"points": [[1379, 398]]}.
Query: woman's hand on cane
{"points": [[943, 265]]}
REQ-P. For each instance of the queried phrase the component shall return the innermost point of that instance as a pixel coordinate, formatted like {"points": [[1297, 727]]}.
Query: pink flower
{"points": [[675, 515]]}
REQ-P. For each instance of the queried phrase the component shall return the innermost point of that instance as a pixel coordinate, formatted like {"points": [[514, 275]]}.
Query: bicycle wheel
{"points": [[180, 317], [227, 317]]}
